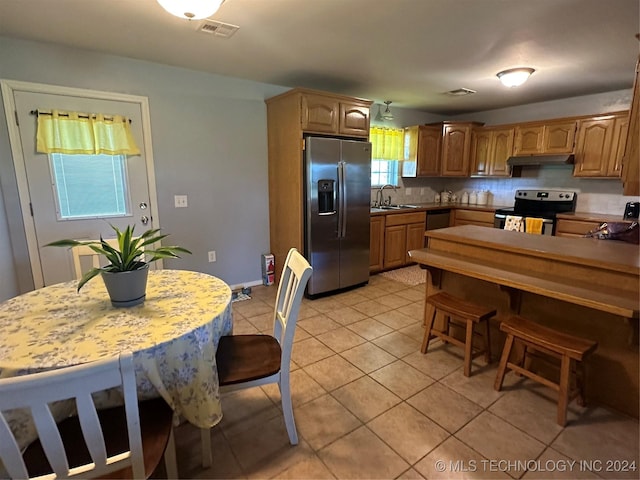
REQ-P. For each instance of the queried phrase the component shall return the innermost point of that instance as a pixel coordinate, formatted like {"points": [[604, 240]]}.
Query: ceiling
{"points": [[408, 51]]}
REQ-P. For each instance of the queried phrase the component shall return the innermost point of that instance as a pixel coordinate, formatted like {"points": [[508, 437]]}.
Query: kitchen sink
{"points": [[396, 207]]}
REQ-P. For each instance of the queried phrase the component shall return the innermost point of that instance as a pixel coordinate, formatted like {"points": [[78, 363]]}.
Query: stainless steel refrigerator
{"points": [[337, 211]]}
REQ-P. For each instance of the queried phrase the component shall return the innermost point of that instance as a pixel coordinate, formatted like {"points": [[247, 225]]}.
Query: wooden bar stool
{"points": [[570, 350], [465, 314]]}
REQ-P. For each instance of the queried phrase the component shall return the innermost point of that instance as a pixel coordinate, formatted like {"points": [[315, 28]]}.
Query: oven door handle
{"points": [[500, 215]]}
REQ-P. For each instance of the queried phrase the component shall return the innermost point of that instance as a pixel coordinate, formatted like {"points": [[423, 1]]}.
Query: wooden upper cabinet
{"points": [[631, 157], [551, 137], [354, 119], [320, 113], [598, 144], [429, 151], [490, 149], [335, 115], [422, 151], [456, 149]]}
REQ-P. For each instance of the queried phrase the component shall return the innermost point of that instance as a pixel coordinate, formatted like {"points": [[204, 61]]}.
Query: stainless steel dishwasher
{"points": [[438, 219]]}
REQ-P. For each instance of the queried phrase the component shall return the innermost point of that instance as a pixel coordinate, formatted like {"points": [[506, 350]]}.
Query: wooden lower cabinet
{"points": [[575, 228], [392, 236], [395, 246], [471, 217], [376, 248]]}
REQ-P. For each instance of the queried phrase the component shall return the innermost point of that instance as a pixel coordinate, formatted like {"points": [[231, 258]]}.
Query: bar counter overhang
{"points": [[586, 287]]}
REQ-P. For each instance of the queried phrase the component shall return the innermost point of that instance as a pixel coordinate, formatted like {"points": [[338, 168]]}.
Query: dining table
{"points": [[173, 336]]}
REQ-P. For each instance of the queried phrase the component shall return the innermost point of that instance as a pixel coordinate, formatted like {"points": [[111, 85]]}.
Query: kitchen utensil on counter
{"points": [[437, 198], [631, 210], [454, 198], [483, 197], [445, 196], [465, 197], [473, 198]]}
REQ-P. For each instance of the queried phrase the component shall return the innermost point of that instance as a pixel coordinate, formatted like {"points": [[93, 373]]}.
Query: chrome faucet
{"points": [[380, 195]]}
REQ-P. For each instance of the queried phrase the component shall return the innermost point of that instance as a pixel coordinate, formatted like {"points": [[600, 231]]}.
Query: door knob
{"points": [[144, 219]]}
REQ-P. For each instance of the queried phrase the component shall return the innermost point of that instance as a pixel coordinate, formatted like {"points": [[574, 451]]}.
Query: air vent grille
{"points": [[219, 29], [460, 92]]}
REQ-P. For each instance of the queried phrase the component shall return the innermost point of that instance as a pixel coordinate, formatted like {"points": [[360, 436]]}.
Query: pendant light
{"points": [[387, 115], [191, 9], [515, 77]]}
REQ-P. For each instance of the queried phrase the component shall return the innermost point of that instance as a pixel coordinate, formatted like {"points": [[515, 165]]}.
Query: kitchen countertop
{"points": [[594, 217], [426, 207]]}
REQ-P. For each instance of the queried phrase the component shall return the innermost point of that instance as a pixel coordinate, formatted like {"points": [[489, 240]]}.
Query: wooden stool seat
{"points": [[569, 349], [464, 313]]}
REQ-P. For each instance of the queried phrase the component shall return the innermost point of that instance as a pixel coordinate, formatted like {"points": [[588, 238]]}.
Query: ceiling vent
{"points": [[460, 92], [219, 29]]}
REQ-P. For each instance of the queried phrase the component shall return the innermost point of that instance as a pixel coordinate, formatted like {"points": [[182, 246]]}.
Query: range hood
{"points": [[540, 160]]}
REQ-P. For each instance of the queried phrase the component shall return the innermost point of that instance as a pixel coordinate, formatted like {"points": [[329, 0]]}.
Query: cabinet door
{"points": [[456, 147], [395, 246], [320, 113], [559, 137], [501, 149], [529, 139], [593, 147], [415, 238], [376, 249], [620, 128], [429, 148], [354, 119], [480, 145]]}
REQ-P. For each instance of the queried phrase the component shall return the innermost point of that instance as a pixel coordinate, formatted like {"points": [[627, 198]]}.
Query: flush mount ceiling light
{"points": [[191, 9], [515, 77], [387, 115]]}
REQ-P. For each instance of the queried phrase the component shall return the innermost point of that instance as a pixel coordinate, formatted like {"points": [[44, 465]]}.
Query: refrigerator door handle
{"points": [[342, 201]]}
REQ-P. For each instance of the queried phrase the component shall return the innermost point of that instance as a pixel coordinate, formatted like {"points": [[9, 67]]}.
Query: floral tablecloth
{"points": [[173, 336]]}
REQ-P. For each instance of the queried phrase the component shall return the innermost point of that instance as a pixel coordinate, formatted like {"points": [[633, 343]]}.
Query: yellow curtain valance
{"points": [[77, 133], [386, 143]]}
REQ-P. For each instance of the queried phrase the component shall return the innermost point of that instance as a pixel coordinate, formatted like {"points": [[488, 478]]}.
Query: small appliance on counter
{"points": [[632, 211]]}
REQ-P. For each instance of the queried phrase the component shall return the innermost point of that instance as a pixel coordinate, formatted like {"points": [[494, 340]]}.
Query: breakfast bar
{"points": [[585, 287]]}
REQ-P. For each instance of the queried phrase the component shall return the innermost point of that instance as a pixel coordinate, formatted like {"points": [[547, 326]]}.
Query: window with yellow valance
{"points": [[81, 133], [386, 143]]}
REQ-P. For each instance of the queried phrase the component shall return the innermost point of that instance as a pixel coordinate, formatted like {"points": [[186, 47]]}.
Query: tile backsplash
{"points": [[594, 195]]}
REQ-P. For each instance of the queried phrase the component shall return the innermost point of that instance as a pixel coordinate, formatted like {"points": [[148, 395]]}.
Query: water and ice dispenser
{"points": [[326, 197]]}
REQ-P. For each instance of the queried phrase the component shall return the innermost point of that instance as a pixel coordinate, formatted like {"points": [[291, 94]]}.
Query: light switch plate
{"points": [[181, 201], [407, 191]]}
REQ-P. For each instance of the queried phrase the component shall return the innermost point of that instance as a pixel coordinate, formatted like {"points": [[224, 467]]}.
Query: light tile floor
{"points": [[369, 405]]}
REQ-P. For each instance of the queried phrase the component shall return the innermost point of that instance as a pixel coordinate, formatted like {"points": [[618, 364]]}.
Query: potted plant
{"points": [[126, 274]]}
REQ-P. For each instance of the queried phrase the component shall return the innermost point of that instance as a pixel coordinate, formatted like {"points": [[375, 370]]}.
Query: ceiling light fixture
{"points": [[387, 115], [515, 77], [191, 9]]}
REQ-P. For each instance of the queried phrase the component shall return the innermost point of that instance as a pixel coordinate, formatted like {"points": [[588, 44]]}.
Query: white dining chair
{"points": [[246, 361], [82, 251], [118, 442]]}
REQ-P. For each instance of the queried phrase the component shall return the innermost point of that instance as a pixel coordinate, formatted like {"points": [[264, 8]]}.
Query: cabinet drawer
{"points": [[475, 216], [406, 218], [575, 227]]}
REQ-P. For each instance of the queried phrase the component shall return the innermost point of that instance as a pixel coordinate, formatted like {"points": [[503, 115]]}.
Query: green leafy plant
{"points": [[128, 255]]}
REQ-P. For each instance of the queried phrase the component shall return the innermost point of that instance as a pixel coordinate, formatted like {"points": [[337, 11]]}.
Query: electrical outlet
{"points": [[180, 201], [407, 191], [212, 256], [422, 191]]}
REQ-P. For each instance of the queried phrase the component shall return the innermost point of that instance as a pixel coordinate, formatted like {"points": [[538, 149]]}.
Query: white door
{"points": [[59, 211]]}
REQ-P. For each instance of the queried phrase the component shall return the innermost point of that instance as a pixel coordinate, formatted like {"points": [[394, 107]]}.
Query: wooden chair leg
{"points": [[487, 343], [468, 348], [504, 359], [427, 333], [563, 393], [581, 381]]}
